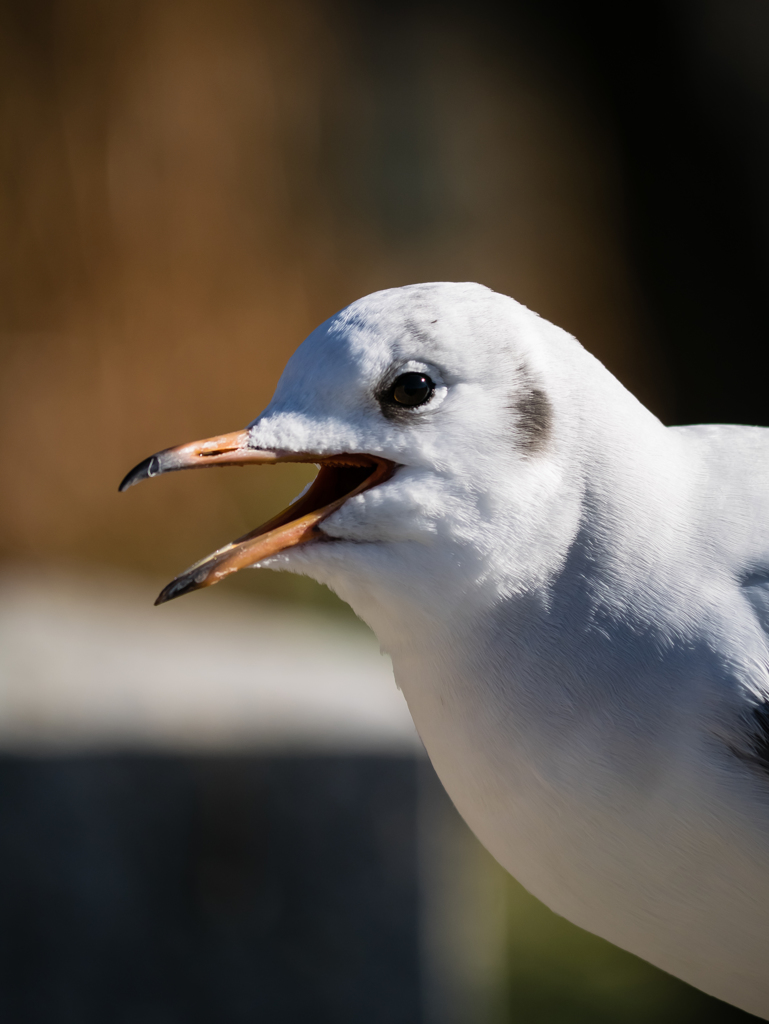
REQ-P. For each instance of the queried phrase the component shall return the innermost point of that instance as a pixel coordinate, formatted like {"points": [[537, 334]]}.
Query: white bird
{"points": [[574, 596]]}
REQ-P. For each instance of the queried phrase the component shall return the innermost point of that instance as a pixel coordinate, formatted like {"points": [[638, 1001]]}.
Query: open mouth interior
{"points": [[340, 478]]}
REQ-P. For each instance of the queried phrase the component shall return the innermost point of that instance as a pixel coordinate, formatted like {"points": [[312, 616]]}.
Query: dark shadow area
{"points": [[213, 890], [685, 90]]}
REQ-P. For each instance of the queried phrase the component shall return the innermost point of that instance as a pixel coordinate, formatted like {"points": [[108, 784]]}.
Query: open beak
{"points": [[341, 477]]}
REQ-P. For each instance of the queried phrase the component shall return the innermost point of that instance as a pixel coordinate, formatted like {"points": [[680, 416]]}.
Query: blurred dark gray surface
{"points": [[208, 889]]}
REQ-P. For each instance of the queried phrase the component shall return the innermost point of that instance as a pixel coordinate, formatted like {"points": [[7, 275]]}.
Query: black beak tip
{"points": [[146, 469], [184, 584], [164, 596]]}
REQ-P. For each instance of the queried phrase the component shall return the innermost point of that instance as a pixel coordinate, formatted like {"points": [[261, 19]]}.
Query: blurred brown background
{"points": [[188, 187]]}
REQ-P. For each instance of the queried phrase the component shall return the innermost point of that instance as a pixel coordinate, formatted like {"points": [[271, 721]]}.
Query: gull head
{"points": [[442, 420]]}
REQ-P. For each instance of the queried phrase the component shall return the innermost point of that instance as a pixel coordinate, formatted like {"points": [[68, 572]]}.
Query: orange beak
{"points": [[341, 477]]}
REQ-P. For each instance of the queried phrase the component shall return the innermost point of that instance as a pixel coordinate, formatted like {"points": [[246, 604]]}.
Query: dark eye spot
{"points": [[411, 389]]}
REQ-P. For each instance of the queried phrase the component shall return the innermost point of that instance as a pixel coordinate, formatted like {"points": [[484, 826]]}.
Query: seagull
{"points": [[574, 596]]}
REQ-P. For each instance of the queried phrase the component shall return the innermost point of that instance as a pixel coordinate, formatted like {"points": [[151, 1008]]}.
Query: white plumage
{"points": [[576, 602]]}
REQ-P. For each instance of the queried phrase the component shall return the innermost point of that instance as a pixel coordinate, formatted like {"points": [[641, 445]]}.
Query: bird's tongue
{"points": [[340, 477]]}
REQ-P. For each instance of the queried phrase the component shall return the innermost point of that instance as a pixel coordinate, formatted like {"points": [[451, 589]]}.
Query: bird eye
{"points": [[411, 389]]}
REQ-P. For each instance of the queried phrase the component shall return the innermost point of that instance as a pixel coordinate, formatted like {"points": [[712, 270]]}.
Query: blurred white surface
{"points": [[87, 662]]}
